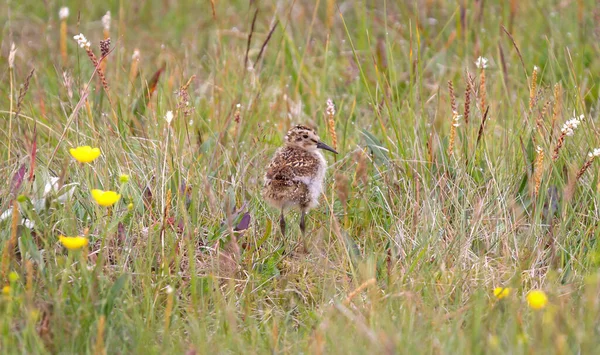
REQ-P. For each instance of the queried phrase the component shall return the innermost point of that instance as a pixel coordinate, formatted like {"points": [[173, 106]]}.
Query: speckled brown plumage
{"points": [[282, 186], [295, 175]]}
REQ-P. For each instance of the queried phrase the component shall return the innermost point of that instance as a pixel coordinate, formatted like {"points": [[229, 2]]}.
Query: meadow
{"points": [[460, 217]]}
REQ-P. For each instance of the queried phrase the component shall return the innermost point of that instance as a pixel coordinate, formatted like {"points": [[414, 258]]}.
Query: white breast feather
{"points": [[315, 183]]}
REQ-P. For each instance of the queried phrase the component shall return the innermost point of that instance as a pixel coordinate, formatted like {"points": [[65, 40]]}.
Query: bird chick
{"points": [[295, 175]]}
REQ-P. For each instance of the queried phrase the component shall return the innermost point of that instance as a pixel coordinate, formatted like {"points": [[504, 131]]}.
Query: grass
{"points": [[413, 233]]}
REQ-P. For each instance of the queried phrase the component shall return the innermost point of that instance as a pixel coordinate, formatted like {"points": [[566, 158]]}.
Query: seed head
{"points": [[11, 55], [481, 63], [106, 21], [169, 117], [63, 13]]}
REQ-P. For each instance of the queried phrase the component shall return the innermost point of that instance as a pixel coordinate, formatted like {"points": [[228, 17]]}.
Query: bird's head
{"points": [[305, 138]]}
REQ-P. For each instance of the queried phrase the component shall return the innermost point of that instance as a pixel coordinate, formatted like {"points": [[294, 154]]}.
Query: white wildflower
{"points": [[330, 108], [63, 13], [481, 63], [169, 289], [535, 68], [136, 55], [11, 55], [169, 117], [106, 21], [571, 125], [82, 41], [594, 153], [539, 149]]}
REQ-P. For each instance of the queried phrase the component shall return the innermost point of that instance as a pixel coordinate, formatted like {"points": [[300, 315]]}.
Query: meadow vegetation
{"points": [[461, 215]]}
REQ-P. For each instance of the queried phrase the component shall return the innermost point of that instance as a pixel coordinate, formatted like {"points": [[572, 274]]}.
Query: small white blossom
{"points": [[594, 153], [539, 149], [169, 289], [169, 117], [330, 108], [136, 55], [11, 55], [106, 21], [571, 125], [481, 63], [63, 13], [82, 41], [535, 68], [456, 117]]}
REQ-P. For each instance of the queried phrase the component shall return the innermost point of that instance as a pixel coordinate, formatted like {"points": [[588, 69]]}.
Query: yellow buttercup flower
{"points": [[6, 290], [85, 154], [73, 243], [105, 198], [537, 299], [501, 292]]}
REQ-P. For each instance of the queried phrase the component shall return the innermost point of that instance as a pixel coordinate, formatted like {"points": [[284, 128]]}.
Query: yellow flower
{"points": [[6, 290], [537, 299], [130, 206], [105, 198], [124, 178], [73, 243], [85, 154], [501, 292]]}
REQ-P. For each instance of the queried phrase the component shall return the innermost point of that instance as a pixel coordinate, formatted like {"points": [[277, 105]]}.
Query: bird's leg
{"points": [[303, 230], [282, 223], [302, 223]]}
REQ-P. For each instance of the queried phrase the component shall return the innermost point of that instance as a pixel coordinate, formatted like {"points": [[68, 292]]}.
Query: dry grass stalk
{"points": [[183, 104], [22, 92], [105, 44], [468, 92], [358, 290], [12, 241], [559, 144], [361, 167], [588, 162], [538, 169], [99, 347], [557, 105], [482, 92], [452, 97], [330, 111], [63, 14], [482, 126], [539, 122], [106, 25], [168, 308], [29, 280], [481, 63], [455, 123], [330, 13], [533, 88], [135, 61], [342, 188]]}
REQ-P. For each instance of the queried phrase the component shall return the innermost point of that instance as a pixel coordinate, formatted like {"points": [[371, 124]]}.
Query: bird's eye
{"points": [[306, 136]]}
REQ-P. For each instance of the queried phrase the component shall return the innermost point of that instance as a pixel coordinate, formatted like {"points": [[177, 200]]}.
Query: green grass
{"points": [[408, 242]]}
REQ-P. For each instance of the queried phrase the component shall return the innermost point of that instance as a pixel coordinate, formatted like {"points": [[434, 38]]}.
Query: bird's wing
{"points": [[288, 167]]}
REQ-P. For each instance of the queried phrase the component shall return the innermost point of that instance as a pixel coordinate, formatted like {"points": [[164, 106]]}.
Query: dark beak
{"points": [[322, 145]]}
